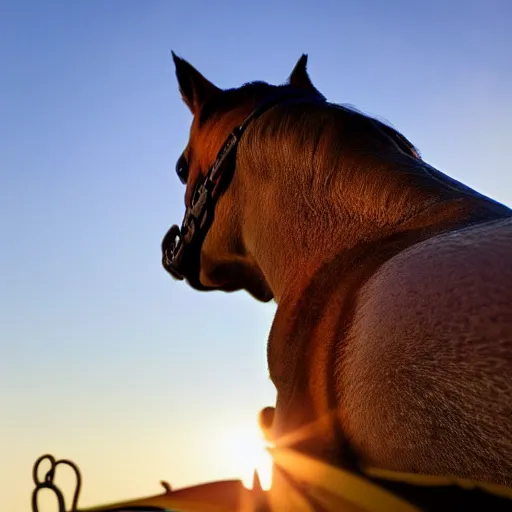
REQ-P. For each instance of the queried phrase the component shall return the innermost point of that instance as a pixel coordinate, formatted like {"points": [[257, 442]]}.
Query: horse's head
{"points": [[214, 253]]}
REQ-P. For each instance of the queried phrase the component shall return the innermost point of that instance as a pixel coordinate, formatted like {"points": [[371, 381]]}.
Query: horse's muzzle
{"points": [[172, 253], [181, 259]]}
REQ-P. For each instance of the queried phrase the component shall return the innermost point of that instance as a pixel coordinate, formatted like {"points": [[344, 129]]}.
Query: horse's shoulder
{"points": [[431, 340]]}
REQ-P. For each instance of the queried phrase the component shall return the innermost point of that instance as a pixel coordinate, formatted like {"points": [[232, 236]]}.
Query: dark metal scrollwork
{"points": [[48, 482]]}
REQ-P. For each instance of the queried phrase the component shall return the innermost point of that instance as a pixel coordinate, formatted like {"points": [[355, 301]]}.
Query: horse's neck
{"points": [[292, 230]]}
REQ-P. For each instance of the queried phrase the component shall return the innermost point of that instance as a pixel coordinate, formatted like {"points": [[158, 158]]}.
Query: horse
{"points": [[391, 346]]}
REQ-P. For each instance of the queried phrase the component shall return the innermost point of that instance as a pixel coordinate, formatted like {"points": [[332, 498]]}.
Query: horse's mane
{"points": [[400, 140], [335, 147], [231, 98]]}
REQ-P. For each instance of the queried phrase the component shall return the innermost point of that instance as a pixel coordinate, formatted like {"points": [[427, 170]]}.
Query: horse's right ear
{"points": [[195, 89], [299, 76]]}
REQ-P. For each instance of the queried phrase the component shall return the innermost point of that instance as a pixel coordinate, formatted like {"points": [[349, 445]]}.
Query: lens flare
{"points": [[261, 462], [247, 451]]}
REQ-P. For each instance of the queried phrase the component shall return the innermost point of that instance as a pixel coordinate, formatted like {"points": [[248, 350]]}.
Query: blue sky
{"points": [[103, 358]]}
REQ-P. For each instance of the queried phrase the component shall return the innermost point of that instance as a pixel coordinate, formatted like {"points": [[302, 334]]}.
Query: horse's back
{"points": [[428, 358]]}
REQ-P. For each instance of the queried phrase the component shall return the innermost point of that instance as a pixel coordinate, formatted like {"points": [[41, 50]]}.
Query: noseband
{"points": [[182, 246]]}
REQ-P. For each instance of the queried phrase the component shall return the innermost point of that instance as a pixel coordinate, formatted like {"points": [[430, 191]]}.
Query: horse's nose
{"points": [[169, 242], [171, 253], [182, 169]]}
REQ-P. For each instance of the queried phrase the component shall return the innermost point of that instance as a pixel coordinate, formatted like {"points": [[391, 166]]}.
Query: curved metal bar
{"points": [[38, 462], [56, 490], [48, 482]]}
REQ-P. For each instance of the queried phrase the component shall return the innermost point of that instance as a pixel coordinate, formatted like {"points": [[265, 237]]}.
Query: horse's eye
{"points": [[182, 169]]}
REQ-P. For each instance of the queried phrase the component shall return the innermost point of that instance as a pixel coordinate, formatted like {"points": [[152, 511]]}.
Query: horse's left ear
{"points": [[194, 87], [299, 76]]}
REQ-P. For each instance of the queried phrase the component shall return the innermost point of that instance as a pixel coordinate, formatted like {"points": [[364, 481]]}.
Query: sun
{"points": [[246, 448]]}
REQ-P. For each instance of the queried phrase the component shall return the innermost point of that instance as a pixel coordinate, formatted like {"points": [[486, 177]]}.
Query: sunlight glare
{"points": [[248, 448]]}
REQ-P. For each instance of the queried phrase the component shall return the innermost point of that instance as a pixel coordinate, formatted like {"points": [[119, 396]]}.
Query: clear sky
{"points": [[106, 360]]}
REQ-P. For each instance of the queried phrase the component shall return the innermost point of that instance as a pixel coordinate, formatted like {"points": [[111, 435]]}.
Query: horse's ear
{"points": [[299, 76], [195, 89]]}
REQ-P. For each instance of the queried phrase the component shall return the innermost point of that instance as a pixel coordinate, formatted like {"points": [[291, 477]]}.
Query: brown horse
{"points": [[392, 341]]}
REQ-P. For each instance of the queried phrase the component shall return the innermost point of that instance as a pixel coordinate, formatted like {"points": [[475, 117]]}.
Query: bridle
{"points": [[181, 247]]}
